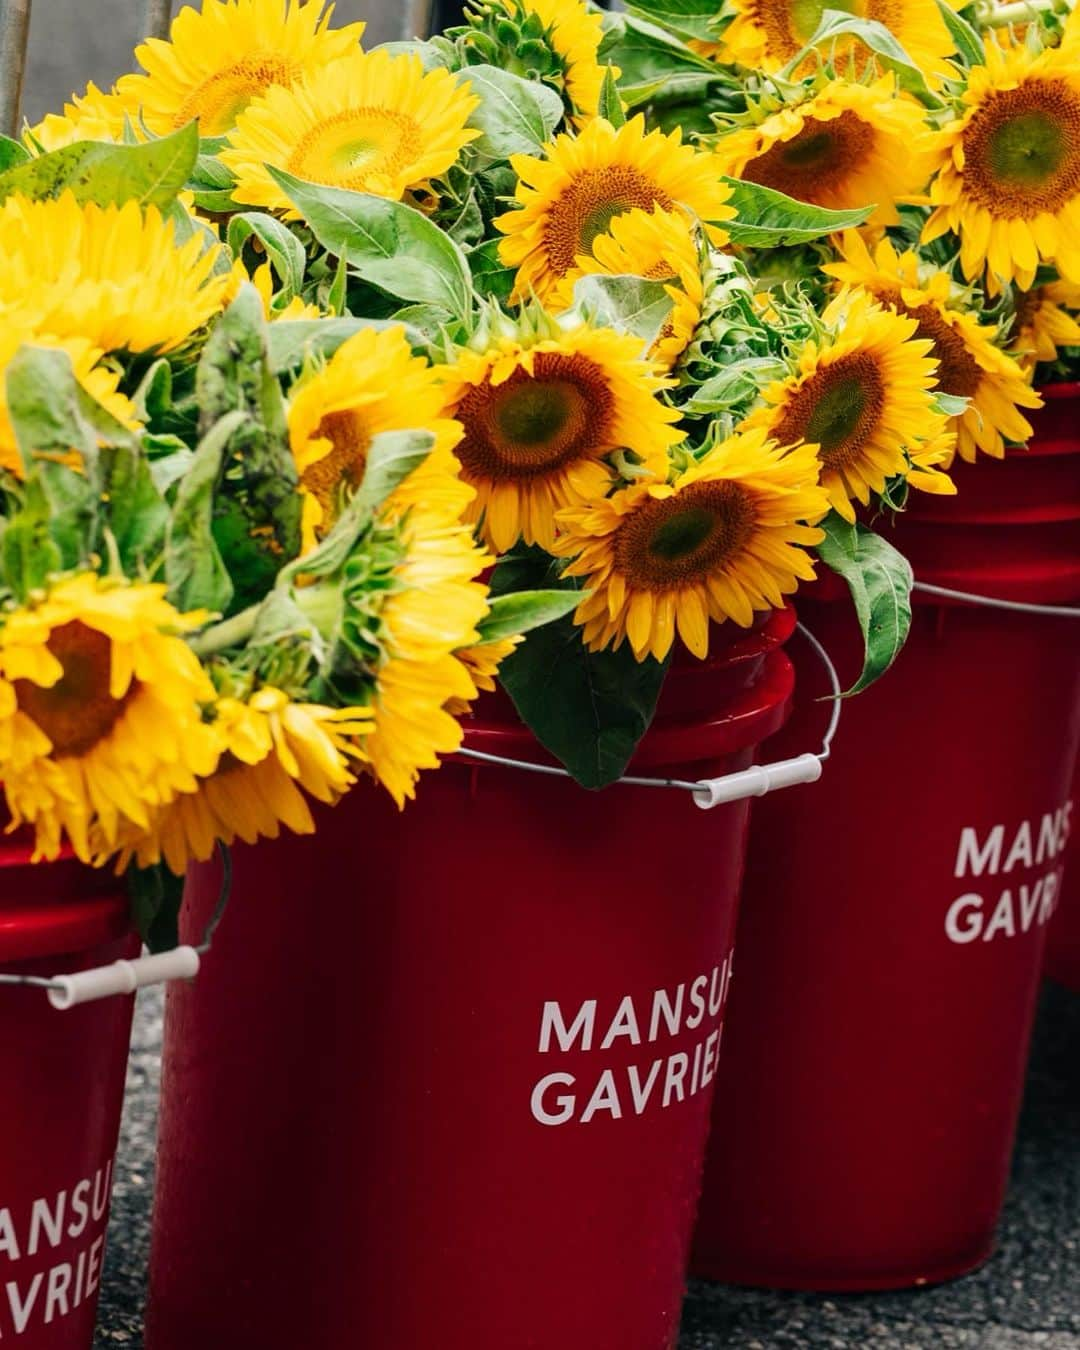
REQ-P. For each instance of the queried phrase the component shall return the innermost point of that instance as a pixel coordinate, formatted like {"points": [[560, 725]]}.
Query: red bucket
{"points": [[446, 1076], [894, 918], [1063, 940], [63, 1076]]}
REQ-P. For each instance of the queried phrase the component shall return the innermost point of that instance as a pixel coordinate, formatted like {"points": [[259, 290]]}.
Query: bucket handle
{"points": [[992, 602], [183, 963], [125, 977], [730, 787]]}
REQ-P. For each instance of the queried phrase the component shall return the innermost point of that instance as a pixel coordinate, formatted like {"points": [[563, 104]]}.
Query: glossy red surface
{"points": [[874, 1057], [1063, 940], [63, 1087], [362, 1143]]}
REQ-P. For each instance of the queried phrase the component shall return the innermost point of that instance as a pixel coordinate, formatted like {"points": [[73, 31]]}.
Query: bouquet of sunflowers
{"points": [[329, 373]]}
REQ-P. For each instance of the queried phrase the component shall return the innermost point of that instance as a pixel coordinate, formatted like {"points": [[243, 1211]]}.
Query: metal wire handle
{"points": [[732, 787], [125, 977], [992, 602]]}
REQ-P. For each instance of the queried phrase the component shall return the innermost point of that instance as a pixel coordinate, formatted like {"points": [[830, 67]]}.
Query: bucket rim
{"points": [[750, 717], [85, 912]]}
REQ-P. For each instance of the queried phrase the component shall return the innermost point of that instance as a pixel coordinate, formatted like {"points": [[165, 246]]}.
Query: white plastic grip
{"points": [[756, 782], [123, 977]]}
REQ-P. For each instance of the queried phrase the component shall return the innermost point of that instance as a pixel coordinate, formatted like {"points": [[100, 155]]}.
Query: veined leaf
{"points": [[689, 18], [880, 580], [12, 153], [388, 243], [969, 44], [522, 611], [611, 105], [516, 116], [282, 247], [291, 340], [766, 218], [837, 23], [589, 709], [95, 171], [194, 568], [391, 457], [629, 304]]}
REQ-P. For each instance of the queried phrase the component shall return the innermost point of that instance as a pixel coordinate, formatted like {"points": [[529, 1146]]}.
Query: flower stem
{"points": [[1021, 11], [228, 633]]}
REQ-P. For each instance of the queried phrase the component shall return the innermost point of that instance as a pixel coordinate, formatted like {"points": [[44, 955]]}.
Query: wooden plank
{"points": [[14, 32]]}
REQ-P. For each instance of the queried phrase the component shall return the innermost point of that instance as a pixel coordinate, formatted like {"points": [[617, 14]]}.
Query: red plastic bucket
{"points": [[894, 918], [1063, 940], [63, 1076], [445, 1078]]}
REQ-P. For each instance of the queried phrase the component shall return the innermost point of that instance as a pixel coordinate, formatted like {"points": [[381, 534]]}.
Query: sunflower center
{"points": [[958, 371], [670, 542], [343, 465], [220, 100], [355, 146], [838, 409], [530, 425], [587, 207], [78, 711], [820, 158], [1022, 149]]}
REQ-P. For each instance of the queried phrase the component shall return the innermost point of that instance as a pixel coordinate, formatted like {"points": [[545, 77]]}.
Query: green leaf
{"points": [[968, 43], [629, 304], [12, 153], [256, 514], [611, 105], [194, 568], [689, 18], [391, 457], [890, 54], [654, 64], [291, 341], [516, 116], [388, 244], [589, 709], [766, 218], [114, 495], [28, 552], [155, 894], [283, 249], [880, 580], [491, 277], [94, 171], [522, 611]]}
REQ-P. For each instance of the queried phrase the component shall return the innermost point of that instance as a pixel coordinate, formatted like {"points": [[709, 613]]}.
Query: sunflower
{"points": [[100, 382], [113, 275], [482, 662], [541, 416], [269, 752], [100, 710], [660, 246], [847, 146], [370, 123], [768, 34], [372, 384], [431, 612], [1008, 167], [569, 198], [861, 396], [90, 116], [723, 540], [1045, 320], [215, 62], [970, 363], [575, 34]]}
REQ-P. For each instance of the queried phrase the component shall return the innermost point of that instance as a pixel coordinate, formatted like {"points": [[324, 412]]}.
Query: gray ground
{"points": [[1027, 1297]]}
